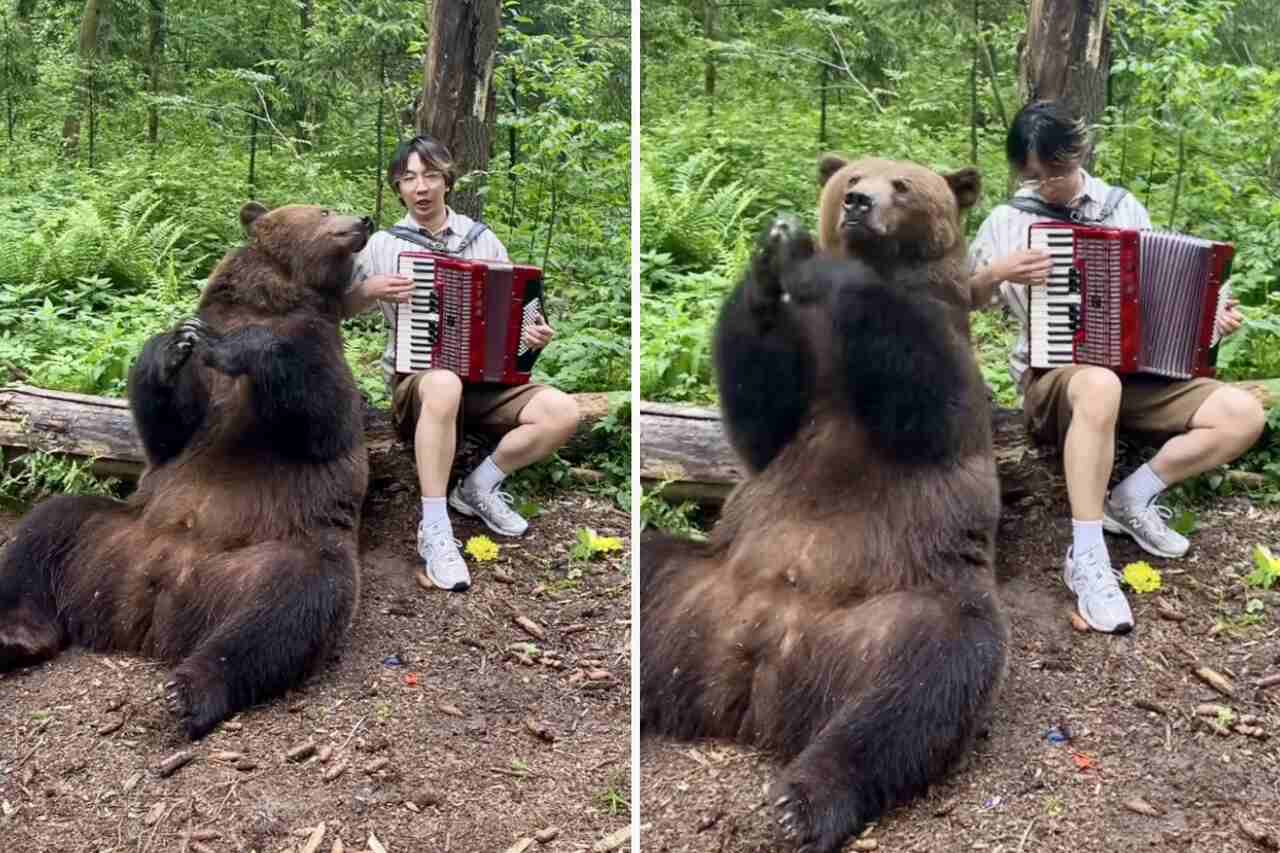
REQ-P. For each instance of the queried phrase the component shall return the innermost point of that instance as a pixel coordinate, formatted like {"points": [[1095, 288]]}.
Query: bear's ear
{"points": [[828, 166], [965, 184], [249, 215]]}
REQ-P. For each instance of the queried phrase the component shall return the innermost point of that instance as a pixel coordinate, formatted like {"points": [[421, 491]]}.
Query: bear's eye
{"points": [[853, 179], [901, 186], [324, 213]]}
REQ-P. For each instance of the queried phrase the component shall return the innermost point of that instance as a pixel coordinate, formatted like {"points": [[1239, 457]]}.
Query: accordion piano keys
{"points": [[468, 316]]}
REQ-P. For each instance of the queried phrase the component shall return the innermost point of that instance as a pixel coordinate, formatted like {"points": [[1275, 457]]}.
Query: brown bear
{"points": [[843, 612], [235, 560]]}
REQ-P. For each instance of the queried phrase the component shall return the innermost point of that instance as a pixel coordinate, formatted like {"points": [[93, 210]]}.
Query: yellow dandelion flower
{"points": [[482, 548], [1141, 577]]}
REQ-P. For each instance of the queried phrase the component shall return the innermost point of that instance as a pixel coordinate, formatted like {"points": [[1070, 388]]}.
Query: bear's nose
{"points": [[858, 201], [367, 222]]}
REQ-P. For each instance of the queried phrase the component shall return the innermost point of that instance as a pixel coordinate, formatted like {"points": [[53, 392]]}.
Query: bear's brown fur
{"points": [[235, 559], [844, 611]]}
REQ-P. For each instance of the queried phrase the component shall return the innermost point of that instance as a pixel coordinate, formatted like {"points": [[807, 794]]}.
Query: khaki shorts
{"points": [[1154, 407], [494, 409]]}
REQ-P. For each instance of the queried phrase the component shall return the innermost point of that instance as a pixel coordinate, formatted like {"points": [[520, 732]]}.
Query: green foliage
{"points": [[658, 513], [34, 476]]}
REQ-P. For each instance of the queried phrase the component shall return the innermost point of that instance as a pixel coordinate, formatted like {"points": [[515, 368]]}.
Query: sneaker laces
{"points": [[498, 502], [434, 537], [1087, 572], [1152, 518]]}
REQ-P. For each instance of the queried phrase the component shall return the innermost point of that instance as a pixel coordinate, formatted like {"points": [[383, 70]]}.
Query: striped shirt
{"points": [[1004, 232], [381, 256]]}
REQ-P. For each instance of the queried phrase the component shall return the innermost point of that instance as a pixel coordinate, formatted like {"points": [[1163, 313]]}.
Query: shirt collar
{"points": [[453, 224]]}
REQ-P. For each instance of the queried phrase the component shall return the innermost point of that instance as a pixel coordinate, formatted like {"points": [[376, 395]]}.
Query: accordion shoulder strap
{"points": [[1067, 214], [420, 239]]}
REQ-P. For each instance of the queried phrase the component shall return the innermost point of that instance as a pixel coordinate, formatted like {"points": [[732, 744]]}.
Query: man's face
{"points": [[422, 189], [1057, 183]]}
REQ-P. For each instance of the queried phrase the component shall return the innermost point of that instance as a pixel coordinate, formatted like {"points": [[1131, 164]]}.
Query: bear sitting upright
{"points": [[235, 559], [844, 611]]}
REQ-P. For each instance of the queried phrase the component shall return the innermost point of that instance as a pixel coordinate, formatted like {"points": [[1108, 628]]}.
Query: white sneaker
{"points": [[1097, 589], [1146, 524], [493, 508], [444, 564]]}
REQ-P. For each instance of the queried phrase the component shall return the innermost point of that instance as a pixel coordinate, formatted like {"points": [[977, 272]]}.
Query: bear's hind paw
{"points": [[198, 711], [798, 823]]}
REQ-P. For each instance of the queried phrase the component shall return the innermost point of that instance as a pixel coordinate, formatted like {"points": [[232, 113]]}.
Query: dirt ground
{"points": [[447, 737], [1019, 790]]}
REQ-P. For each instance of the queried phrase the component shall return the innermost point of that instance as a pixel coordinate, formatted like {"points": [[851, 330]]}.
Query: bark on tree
{"points": [[1067, 55], [458, 105]]}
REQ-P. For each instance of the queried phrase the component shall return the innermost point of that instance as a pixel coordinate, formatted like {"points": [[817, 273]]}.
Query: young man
{"points": [[430, 407], [1205, 423]]}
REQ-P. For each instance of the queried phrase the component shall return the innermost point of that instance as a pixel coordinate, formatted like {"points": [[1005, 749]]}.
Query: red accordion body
{"points": [[1133, 301], [468, 316]]}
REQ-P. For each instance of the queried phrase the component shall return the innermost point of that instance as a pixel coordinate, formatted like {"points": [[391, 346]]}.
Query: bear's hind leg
{"points": [[30, 565], [268, 633], [939, 660]]}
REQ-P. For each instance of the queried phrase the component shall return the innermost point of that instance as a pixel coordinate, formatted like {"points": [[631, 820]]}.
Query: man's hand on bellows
{"points": [[538, 335]]}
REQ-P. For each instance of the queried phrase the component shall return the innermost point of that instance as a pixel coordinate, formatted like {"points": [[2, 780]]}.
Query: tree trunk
{"points": [[710, 27], [92, 23], [253, 146], [382, 106], [973, 88], [155, 58], [457, 95], [1067, 56], [300, 103]]}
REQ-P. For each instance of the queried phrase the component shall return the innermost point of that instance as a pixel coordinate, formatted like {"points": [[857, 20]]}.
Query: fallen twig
{"points": [[1216, 680]]}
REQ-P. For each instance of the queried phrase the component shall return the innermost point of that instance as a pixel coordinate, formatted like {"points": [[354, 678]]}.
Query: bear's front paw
{"points": [[182, 342]]}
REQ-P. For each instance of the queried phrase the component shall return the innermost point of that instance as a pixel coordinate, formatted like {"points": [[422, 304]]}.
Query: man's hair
{"points": [[434, 155], [1048, 130]]}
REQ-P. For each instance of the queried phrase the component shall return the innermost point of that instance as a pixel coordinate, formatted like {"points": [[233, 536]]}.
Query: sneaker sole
{"points": [[1112, 526], [460, 586], [458, 504]]}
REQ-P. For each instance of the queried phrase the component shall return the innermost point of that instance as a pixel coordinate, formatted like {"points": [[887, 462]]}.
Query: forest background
{"points": [[739, 99], [135, 130]]}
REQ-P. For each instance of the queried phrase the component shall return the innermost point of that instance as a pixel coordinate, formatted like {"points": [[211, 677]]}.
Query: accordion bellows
{"points": [[1133, 301], [467, 316]]}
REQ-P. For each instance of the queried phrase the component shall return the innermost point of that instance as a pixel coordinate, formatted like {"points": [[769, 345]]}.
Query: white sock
{"points": [[1086, 535], [435, 510], [487, 476], [1138, 489]]}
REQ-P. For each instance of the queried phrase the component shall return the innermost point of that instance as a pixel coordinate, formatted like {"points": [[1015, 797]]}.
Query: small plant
{"points": [[35, 476], [1266, 569], [611, 800], [590, 545]]}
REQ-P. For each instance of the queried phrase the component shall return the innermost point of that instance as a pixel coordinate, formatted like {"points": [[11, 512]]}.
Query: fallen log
{"points": [[683, 449], [101, 429]]}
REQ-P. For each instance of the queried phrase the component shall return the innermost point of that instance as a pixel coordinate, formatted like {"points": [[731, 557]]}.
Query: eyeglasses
{"points": [[1050, 181], [410, 179]]}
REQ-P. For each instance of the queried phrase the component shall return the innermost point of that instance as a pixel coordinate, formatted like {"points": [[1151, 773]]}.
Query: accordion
{"points": [[468, 316], [1133, 301]]}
